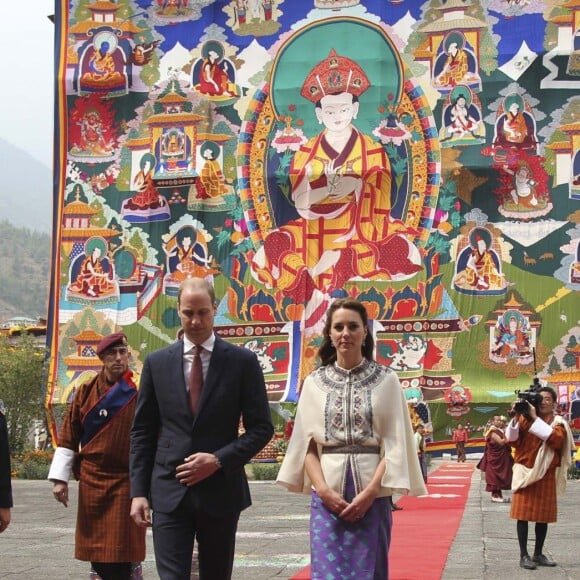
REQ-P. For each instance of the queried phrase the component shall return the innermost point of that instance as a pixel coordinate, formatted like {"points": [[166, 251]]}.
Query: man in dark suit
{"points": [[5, 474], [188, 458]]}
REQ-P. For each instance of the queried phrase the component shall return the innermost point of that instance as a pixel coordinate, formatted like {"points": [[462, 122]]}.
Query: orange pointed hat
{"points": [[333, 75]]}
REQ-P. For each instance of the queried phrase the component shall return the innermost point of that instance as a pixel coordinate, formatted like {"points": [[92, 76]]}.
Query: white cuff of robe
{"points": [[61, 465], [512, 431], [541, 429]]}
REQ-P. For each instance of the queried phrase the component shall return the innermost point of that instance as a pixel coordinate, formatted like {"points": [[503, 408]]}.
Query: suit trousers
{"points": [[174, 535]]}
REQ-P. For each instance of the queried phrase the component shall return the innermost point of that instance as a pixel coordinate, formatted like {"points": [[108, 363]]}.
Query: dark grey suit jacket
{"points": [[165, 432]]}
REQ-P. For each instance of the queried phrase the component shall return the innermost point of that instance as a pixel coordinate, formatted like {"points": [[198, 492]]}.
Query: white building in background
{"points": [[19, 322]]}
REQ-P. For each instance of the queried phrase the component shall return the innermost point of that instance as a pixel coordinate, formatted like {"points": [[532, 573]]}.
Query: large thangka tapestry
{"points": [[422, 157]]}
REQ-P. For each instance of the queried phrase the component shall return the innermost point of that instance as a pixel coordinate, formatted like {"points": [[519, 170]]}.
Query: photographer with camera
{"points": [[543, 443]]}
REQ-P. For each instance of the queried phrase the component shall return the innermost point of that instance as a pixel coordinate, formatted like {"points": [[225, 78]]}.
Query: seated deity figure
{"points": [[512, 339], [455, 66], [461, 118], [211, 183], [462, 122], [515, 126], [478, 267], [146, 204], [93, 277], [341, 189], [104, 72], [216, 75], [171, 7], [187, 257]]}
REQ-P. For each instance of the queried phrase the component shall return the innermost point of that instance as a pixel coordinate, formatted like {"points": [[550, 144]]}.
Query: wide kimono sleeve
{"points": [[309, 420], [393, 424]]}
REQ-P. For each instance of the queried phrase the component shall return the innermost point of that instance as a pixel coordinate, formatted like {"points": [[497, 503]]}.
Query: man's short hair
{"points": [[198, 283], [550, 390]]}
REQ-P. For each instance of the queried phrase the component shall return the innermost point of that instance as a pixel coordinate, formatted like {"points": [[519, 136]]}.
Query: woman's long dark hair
{"points": [[327, 352]]}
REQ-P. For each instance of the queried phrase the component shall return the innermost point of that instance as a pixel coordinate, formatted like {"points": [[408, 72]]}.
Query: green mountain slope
{"points": [[24, 272]]}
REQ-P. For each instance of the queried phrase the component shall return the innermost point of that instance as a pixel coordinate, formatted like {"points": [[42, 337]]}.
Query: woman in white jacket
{"points": [[352, 447]]}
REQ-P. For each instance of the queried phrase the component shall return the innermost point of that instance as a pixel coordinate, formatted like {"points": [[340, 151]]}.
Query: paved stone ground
{"points": [[273, 538], [486, 545]]}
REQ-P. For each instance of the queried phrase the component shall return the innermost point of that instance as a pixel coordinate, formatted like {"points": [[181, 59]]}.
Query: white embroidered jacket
{"points": [[364, 406]]}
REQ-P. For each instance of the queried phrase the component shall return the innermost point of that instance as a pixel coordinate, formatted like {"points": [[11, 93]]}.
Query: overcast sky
{"points": [[27, 57]]}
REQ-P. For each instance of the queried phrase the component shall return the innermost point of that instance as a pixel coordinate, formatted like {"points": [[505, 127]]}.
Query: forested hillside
{"points": [[24, 272]]}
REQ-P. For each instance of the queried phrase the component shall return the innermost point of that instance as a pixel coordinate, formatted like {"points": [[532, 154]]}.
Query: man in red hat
{"points": [[94, 444]]}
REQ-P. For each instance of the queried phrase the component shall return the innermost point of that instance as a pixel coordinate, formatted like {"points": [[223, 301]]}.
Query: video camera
{"points": [[532, 395]]}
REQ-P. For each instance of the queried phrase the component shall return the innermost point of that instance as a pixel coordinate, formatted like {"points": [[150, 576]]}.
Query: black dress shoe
{"points": [[542, 560], [527, 563]]}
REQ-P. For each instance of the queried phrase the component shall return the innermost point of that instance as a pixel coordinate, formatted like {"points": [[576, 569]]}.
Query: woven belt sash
{"points": [[373, 449]]}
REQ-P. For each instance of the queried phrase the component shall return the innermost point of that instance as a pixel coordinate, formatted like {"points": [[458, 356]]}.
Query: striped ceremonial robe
{"points": [[537, 502], [105, 531]]}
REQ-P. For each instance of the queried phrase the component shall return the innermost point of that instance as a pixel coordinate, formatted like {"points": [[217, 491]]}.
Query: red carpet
{"points": [[424, 530]]}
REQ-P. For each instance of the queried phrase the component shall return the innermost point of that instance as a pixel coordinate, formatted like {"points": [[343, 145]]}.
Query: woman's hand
{"points": [[332, 500], [359, 506]]}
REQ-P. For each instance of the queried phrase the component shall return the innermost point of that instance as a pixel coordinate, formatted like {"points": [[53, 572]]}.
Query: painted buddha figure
{"points": [[93, 277], [211, 182], [147, 204], [523, 193], [147, 196], [456, 65], [187, 256], [341, 189], [92, 139], [512, 339], [92, 134], [216, 74], [171, 7], [104, 70], [515, 126], [461, 118], [479, 267], [241, 11], [173, 149]]}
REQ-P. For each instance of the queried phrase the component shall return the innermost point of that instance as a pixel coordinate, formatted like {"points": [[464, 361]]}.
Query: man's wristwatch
{"points": [[218, 463]]}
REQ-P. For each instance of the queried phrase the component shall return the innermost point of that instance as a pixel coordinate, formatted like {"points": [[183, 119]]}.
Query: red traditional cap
{"points": [[335, 74], [111, 340]]}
